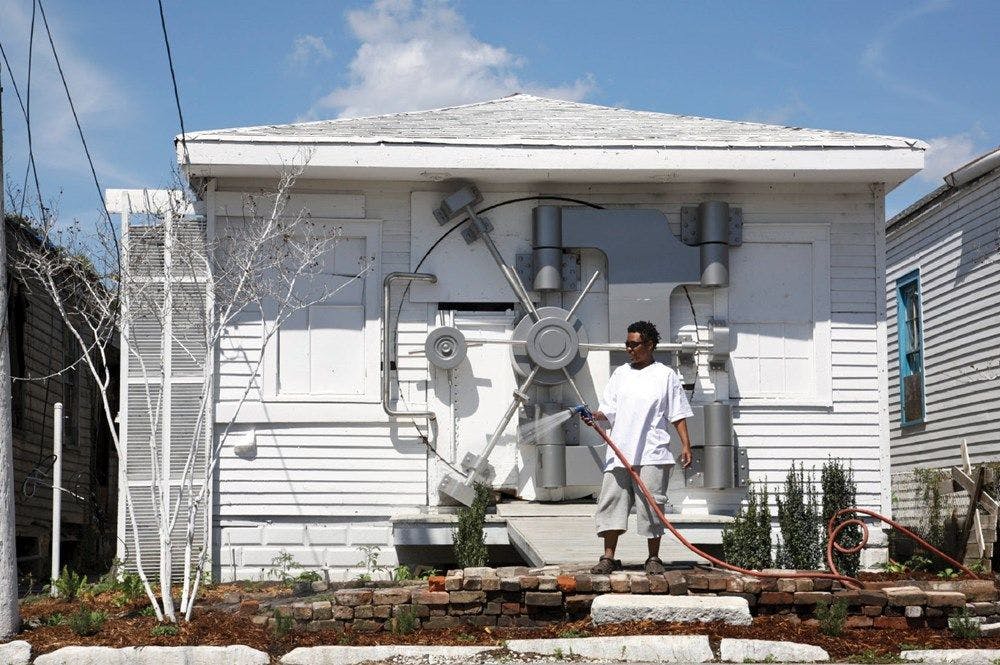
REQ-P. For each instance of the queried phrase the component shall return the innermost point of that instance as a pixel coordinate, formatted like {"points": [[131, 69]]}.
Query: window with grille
{"points": [[911, 349]]}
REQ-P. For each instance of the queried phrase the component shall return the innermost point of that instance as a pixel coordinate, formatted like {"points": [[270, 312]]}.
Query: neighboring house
{"points": [[943, 306], [43, 358], [793, 267]]}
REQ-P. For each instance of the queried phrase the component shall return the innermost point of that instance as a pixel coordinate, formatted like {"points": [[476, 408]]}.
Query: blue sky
{"points": [[920, 69]]}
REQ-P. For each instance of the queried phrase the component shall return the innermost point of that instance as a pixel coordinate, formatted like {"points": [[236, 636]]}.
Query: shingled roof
{"points": [[527, 120]]}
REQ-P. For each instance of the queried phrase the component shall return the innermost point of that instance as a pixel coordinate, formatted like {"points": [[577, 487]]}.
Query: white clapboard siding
{"points": [[955, 243], [350, 469], [164, 357]]}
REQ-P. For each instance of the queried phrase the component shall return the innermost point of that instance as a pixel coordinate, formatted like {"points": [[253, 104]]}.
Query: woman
{"points": [[638, 402]]}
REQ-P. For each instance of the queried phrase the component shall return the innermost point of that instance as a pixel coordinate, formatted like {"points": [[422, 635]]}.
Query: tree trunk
{"points": [[10, 619]]}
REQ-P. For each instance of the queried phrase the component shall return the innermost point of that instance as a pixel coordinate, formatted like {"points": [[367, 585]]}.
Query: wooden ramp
{"points": [[561, 533]]}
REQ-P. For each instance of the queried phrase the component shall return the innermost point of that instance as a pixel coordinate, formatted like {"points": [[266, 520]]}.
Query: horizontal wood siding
{"points": [[348, 469], [956, 247]]}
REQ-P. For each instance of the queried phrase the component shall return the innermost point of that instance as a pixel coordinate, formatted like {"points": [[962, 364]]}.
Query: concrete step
{"points": [[620, 608]]}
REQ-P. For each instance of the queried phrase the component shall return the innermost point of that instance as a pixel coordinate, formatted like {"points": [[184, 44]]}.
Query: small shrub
{"points": [[469, 540], [56, 619], [948, 574], [86, 622], [402, 573], [918, 562], [283, 623], [839, 492], [430, 572], [147, 611], [405, 621], [572, 633], [798, 517], [932, 528], [70, 584], [891, 566], [832, 617], [164, 630], [370, 562], [308, 576], [746, 542], [963, 625]]}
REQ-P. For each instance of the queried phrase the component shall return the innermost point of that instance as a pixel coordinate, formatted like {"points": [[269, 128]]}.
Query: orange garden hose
{"points": [[832, 532]]}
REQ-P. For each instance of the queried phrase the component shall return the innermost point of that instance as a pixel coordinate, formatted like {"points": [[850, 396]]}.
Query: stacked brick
{"points": [[523, 597]]}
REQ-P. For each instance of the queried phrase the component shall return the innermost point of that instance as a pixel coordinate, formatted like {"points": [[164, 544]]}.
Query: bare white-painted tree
{"points": [[181, 288]]}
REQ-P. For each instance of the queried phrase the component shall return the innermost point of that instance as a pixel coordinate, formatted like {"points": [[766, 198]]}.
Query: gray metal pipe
{"points": [[387, 340]]}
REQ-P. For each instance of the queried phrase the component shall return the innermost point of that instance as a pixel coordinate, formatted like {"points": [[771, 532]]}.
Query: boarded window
{"points": [[911, 348], [322, 349], [779, 305]]}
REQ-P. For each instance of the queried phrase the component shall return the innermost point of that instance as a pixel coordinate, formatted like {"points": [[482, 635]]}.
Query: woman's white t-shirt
{"points": [[639, 403]]}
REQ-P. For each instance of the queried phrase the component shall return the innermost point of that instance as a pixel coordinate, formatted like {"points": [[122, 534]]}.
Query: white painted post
{"points": [[57, 429]]}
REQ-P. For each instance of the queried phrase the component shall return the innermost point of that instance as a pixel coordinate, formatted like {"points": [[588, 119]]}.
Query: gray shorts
{"points": [[619, 494]]}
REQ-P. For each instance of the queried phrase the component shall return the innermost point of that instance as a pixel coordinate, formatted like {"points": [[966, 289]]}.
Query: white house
{"points": [[943, 314], [757, 249]]}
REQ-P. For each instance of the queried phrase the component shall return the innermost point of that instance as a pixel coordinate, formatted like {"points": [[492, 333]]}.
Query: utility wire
{"points": [[27, 112], [24, 112], [79, 128], [173, 79]]}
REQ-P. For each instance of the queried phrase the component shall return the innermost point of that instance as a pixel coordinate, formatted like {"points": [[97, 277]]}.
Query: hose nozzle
{"points": [[581, 410]]}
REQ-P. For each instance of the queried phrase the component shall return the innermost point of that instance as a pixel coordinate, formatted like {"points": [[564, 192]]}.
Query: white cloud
{"points": [[423, 55], [873, 57], [309, 50], [783, 114], [101, 103], [947, 153]]}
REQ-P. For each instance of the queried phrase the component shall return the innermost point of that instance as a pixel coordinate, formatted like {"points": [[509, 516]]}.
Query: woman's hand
{"points": [[594, 416]]}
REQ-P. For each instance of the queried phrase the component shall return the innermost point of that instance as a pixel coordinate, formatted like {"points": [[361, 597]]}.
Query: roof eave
{"points": [[563, 163]]}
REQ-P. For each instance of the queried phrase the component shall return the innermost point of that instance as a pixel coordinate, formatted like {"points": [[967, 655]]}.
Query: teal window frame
{"points": [[910, 338]]}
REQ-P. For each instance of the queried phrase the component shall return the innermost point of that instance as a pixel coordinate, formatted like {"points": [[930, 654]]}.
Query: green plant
{"points": [[571, 633], [70, 584], [469, 539], [164, 630], [840, 492], [405, 621], [798, 517], [465, 637], [147, 611], [948, 574], [979, 567], [873, 657], [430, 572], [281, 567], [932, 528], [86, 622], [964, 625], [557, 653], [369, 562], [283, 623], [308, 576], [891, 566], [746, 542], [918, 562], [56, 619], [402, 573], [832, 617]]}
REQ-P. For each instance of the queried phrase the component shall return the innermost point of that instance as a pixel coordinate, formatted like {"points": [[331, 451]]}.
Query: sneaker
{"points": [[654, 566], [606, 566]]}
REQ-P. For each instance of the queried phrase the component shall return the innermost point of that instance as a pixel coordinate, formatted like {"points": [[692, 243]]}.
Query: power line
{"points": [[173, 79], [27, 113], [79, 129], [27, 120]]}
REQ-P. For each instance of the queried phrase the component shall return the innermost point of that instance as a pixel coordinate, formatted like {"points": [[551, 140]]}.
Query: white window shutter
{"points": [[165, 356]]}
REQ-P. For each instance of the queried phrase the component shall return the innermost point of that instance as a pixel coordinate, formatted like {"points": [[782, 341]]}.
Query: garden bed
{"points": [[488, 606]]}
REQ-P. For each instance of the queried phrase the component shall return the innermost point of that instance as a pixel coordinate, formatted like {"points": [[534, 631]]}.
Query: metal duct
{"points": [[551, 446], [546, 243], [719, 457], [713, 222]]}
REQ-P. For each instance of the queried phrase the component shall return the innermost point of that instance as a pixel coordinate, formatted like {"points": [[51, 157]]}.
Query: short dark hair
{"points": [[647, 330]]}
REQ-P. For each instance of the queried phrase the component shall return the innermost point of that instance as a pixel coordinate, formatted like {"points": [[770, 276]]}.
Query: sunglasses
{"points": [[632, 345]]}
